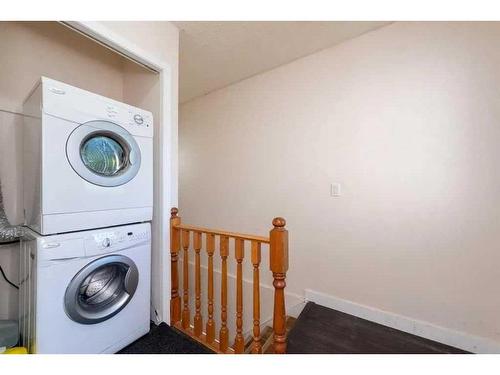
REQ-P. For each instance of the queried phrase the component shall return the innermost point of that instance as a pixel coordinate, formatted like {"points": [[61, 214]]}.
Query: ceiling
{"points": [[216, 54]]}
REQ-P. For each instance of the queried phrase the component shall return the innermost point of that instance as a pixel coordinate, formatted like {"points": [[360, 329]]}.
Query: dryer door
{"points": [[103, 153], [101, 289]]}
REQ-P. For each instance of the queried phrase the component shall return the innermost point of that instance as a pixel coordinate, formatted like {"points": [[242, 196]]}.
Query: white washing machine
{"points": [[85, 292], [88, 160]]}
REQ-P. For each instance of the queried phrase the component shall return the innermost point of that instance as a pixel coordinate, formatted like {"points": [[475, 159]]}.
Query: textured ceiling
{"points": [[216, 54]]}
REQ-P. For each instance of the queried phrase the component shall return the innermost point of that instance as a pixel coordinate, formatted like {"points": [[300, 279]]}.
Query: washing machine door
{"points": [[101, 289], [103, 153]]}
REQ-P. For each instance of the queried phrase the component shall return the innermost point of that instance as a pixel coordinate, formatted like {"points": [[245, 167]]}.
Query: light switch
{"points": [[335, 189]]}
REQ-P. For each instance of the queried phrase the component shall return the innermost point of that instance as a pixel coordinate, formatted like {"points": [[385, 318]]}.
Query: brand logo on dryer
{"points": [[57, 91]]}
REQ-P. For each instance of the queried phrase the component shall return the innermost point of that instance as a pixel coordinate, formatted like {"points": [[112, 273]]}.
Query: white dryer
{"points": [[85, 292], [88, 160]]}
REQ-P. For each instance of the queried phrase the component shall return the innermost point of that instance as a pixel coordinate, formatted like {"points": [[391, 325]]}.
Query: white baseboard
{"points": [[461, 340], [294, 311]]}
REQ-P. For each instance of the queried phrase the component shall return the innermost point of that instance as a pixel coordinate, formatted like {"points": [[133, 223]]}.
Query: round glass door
{"points": [[103, 153], [101, 289]]}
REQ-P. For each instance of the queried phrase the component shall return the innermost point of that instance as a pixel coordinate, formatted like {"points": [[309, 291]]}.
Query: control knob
{"points": [[138, 119]]}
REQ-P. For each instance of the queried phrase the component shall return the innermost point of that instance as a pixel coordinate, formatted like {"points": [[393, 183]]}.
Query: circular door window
{"points": [[103, 153], [101, 289]]}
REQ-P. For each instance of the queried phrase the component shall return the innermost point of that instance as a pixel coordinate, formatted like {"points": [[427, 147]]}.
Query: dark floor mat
{"points": [[163, 339], [322, 330]]}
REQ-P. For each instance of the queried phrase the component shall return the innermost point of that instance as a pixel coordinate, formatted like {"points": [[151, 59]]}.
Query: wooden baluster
{"points": [[239, 341], [223, 333], [175, 239], [278, 250], [198, 321], [185, 261], [210, 328], [257, 346]]}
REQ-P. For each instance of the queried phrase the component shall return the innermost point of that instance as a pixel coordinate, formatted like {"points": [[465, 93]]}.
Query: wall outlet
{"points": [[335, 189]]}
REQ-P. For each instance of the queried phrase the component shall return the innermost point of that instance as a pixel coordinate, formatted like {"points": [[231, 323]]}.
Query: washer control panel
{"points": [[110, 241]]}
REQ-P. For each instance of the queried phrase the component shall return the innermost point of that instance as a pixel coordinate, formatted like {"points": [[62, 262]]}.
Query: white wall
{"points": [[406, 118], [36, 48]]}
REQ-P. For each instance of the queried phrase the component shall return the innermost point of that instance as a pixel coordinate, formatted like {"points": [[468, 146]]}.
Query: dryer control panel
{"points": [[74, 104], [131, 116]]}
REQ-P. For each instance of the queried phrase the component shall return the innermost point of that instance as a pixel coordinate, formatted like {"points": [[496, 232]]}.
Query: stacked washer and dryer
{"points": [[88, 200]]}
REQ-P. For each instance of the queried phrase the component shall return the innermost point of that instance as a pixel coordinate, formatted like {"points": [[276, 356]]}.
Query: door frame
{"points": [[165, 142]]}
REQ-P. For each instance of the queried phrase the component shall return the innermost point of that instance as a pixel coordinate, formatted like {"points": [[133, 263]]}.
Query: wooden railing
{"points": [[180, 316]]}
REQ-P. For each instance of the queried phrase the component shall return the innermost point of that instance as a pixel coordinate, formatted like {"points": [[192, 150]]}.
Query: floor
{"points": [[165, 340], [322, 330], [318, 330]]}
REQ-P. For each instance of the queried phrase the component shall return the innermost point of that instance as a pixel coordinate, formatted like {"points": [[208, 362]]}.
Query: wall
{"points": [[406, 119], [48, 48]]}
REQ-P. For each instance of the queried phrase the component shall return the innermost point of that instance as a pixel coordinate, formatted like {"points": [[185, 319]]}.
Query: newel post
{"points": [[175, 240], [279, 265]]}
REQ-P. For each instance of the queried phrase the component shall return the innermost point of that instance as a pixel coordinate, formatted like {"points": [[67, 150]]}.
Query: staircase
{"points": [[267, 337], [321, 330], [317, 329], [270, 339]]}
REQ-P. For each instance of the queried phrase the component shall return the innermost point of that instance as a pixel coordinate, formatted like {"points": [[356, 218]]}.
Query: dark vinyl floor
{"points": [[165, 340], [322, 330]]}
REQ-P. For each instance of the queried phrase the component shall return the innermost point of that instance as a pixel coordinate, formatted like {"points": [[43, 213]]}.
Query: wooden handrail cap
{"points": [[174, 211], [279, 222]]}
